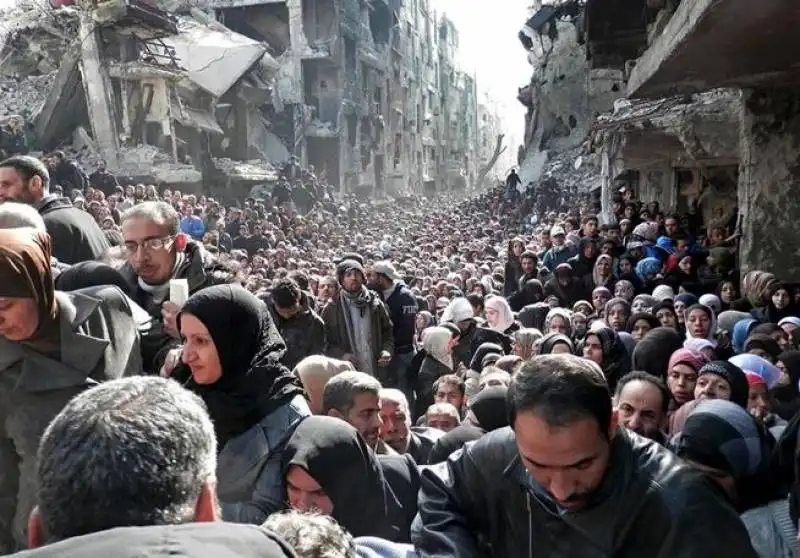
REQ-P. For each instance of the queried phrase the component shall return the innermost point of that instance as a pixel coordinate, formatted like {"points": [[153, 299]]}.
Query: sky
{"points": [[489, 46]]}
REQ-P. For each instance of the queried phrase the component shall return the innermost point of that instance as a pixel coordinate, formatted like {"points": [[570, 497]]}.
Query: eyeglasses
{"points": [[149, 245]]}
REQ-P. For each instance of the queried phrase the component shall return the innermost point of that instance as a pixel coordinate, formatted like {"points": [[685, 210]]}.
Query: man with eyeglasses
{"points": [[156, 253]]}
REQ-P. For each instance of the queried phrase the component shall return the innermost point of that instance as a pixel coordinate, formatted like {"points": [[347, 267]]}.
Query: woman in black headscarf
{"points": [[787, 392], [604, 346], [487, 412], [329, 468], [231, 358]]}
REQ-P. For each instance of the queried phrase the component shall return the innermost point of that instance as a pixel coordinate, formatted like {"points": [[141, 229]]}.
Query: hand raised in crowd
{"points": [[169, 313], [172, 360]]}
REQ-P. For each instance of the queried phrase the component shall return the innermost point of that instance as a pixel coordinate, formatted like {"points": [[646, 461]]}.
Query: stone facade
{"points": [[769, 177]]}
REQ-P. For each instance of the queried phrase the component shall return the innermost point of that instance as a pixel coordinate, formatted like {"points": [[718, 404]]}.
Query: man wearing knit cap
{"points": [[357, 324]]}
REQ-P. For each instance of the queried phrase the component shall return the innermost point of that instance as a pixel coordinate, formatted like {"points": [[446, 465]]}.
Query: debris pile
{"points": [[24, 97]]}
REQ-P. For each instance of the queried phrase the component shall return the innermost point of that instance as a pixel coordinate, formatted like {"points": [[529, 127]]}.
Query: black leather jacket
{"points": [[480, 503]]}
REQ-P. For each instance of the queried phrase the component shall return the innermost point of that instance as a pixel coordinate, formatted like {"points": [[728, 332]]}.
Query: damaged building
{"points": [[563, 98], [219, 93], [713, 93]]}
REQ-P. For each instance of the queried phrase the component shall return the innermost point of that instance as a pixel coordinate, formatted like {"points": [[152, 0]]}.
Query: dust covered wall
{"points": [[769, 182]]}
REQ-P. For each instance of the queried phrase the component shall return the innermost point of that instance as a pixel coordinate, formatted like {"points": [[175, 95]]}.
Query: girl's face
{"points": [[667, 318], [698, 324], [593, 349], [728, 292], [625, 266], [603, 267], [780, 299], [420, 322], [711, 386], [758, 402], [640, 329], [599, 300], [558, 325], [617, 315], [680, 308], [639, 305], [681, 382]]}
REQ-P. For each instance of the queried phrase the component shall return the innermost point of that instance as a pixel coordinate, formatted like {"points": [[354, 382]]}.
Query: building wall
{"points": [[769, 177]]}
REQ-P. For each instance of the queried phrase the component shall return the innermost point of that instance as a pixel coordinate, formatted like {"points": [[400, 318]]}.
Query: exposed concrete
{"points": [[769, 180], [97, 85], [716, 43]]}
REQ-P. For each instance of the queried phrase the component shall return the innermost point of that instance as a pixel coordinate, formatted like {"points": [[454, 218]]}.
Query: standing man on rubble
{"points": [[103, 180], [75, 234]]}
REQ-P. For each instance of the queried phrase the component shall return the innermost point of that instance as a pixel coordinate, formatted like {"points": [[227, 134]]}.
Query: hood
{"points": [[192, 540]]}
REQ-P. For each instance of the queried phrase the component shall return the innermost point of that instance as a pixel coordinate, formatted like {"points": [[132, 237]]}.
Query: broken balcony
{"points": [[712, 43]]}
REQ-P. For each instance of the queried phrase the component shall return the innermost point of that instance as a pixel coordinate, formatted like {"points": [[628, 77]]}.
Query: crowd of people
{"points": [[318, 376]]}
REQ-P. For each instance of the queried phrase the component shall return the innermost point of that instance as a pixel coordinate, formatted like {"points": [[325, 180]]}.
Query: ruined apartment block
{"points": [[220, 93]]}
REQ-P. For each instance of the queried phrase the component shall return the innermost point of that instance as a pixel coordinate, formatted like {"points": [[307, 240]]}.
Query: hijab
{"points": [[505, 315], [435, 341], [534, 315], [788, 395], [489, 408], [91, 274], [253, 383], [338, 458], [653, 352], [616, 362], [25, 272], [550, 340]]}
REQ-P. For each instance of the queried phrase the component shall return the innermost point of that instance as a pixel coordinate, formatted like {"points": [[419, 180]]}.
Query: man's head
{"points": [[23, 179], [641, 403], [150, 230], [134, 451], [350, 274], [443, 416], [311, 534], [287, 296], [449, 389], [355, 398], [560, 411], [396, 419]]}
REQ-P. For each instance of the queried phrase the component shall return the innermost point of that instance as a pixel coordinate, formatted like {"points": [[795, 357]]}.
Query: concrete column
{"points": [[99, 93], [769, 180], [297, 37], [240, 133]]}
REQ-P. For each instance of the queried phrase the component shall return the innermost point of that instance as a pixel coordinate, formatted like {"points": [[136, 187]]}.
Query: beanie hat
{"points": [[690, 358], [733, 375]]}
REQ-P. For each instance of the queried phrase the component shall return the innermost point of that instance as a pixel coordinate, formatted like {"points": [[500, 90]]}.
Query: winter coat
{"points": [[483, 502], [99, 342], [337, 340], [250, 476], [76, 235], [303, 333]]}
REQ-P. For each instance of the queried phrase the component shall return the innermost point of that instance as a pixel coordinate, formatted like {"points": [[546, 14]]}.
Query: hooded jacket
{"points": [[481, 502]]}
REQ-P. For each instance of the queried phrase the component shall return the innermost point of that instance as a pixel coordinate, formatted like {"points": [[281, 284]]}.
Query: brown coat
{"points": [[337, 340]]}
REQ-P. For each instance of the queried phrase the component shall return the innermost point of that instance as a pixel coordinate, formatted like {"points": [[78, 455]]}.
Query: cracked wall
{"points": [[769, 177]]}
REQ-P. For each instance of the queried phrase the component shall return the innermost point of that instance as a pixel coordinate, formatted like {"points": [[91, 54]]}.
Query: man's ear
{"points": [[335, 414], [613, 423], [35, 535], [207, 509]]}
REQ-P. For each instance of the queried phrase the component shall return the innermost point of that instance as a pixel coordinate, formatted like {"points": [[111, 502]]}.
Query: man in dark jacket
{"points": [[357, 325], [402, 306], [157, 253], [565, 480], [301, 328], [75, 234], [103, 180]]}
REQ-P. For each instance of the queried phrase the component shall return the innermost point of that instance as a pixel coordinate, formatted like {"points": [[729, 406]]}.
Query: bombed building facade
{"points": [[690, 103], [218, 92]]}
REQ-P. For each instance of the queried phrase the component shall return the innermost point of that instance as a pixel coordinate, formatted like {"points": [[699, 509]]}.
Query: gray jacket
{"points": [[250, 482], [99, 342]]}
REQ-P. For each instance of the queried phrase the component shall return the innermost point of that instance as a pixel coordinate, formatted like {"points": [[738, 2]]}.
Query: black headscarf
{"points": [[452, 441], [338, 458], [653, 352], [616, 361], [550, 340], [91, 274], [254, 383], [489, 408], [788, 396], [534, 315]]}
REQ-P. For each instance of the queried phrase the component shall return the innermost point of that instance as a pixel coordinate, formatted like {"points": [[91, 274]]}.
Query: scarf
{"points": [[253, 383], [25, 273]]}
